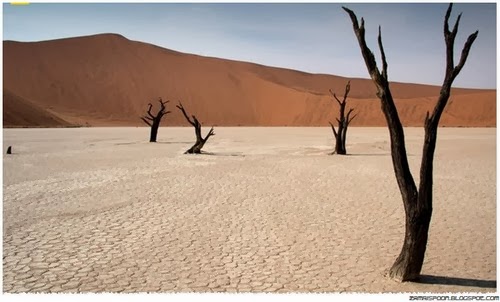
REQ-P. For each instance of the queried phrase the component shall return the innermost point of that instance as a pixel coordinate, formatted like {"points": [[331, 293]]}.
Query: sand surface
{"points": [[267, 210], [108, 80]]}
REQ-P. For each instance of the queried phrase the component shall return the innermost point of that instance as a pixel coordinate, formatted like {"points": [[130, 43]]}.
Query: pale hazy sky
{"points": [[316, 38]]}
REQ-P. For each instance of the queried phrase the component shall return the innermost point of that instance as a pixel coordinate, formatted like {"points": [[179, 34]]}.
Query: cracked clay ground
{"points": [[103, 210]]}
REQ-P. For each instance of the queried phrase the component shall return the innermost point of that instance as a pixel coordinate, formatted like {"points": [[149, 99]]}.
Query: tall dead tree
{"points": [[417, 203], [153, 121], [343, 122], [200, 141]]}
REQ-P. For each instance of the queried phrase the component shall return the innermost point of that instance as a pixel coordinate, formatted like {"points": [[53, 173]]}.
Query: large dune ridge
{"points": [[108, 80]]}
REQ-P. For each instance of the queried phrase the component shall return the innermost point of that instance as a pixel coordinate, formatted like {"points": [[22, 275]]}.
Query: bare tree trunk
{"points": [[154, 121], [343, 122], [417, 204], [408, 264], [154, 131], [200, 141]]}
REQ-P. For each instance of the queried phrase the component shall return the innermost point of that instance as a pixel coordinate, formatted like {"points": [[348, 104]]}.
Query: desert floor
{"points": [[266, 210]]}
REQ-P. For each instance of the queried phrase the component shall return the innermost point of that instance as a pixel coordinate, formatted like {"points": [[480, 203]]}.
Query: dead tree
{"points": [[154, 121], [417, 203], [200, 141], [343, 122]]}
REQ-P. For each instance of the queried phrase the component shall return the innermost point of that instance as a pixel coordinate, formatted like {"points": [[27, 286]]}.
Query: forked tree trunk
{"points": [[200, 141], [417, 204], [343, 122], [154, 121]]}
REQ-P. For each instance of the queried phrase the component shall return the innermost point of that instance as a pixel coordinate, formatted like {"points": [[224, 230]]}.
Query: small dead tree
{"points": [[154, 121], [200, 141], [417, 203], [343, 122]]}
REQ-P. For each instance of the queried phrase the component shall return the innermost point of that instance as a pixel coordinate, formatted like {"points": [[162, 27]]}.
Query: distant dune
{"points": [[107, 80], [18, 112]]}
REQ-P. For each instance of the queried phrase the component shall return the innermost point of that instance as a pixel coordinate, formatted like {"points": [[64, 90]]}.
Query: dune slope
{"points": [[106, 80], [19, 112]]}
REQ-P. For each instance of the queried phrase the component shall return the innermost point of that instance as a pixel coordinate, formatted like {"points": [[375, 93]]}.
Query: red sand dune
{"points": [[19, 112], [107, 80]]}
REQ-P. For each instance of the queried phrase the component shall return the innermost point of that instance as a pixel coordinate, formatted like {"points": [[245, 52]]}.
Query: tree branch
{"points": [[449, 39], [210, 133], [465, 53], [333, 129], [164, 113], [455, 28], [382, 52], [149, 110], [181, 108], [405, 180], [146, 121], [162, 104], [446, 19], [348, 120], [347, 89], [335, 96], [451, 71], [432, 122], [368, 56]]}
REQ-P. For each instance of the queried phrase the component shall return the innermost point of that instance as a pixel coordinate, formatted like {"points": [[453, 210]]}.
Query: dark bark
{"points": [[200, 141], [154, 121], [417, 203], [342, 122], [9, 150]]}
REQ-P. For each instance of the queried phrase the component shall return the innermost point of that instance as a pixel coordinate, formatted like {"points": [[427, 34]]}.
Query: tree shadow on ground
{"points": [[174, 142], [374, 154], [368, 154], [146, 142], [119, 144], [443, 280], [222, 154]]}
